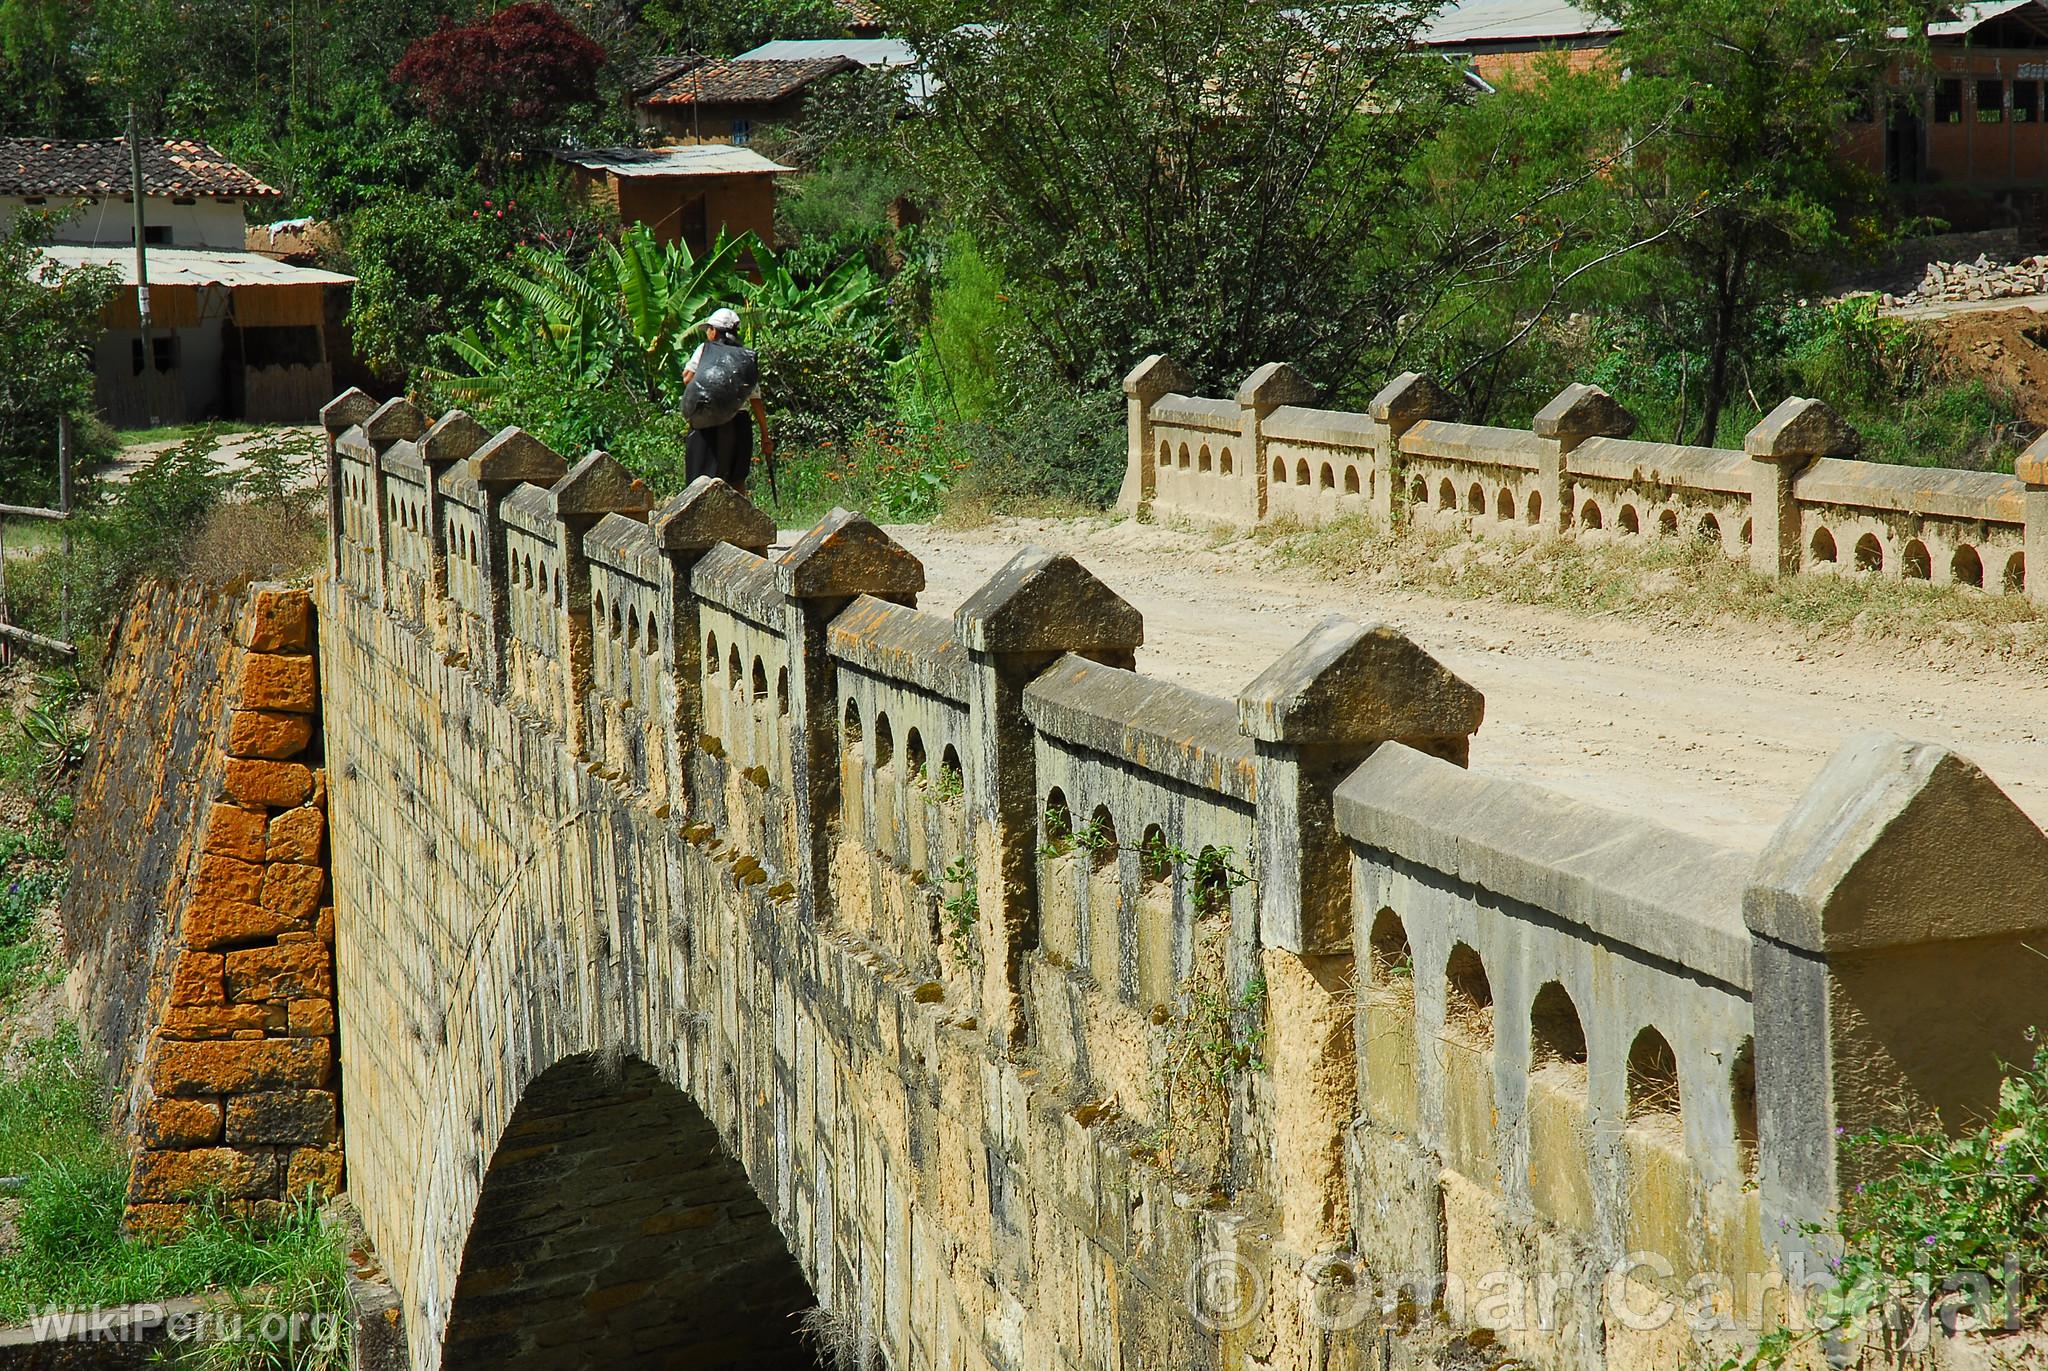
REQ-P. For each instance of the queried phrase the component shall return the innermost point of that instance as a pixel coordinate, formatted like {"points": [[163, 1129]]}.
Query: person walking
{"points": [[723, 448]]}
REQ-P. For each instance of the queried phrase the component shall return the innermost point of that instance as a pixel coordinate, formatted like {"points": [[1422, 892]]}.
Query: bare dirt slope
{"points": [[1715, 732]]}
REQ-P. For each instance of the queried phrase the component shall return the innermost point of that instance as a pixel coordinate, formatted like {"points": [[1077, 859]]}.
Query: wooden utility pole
{"points": [[141, 263]]}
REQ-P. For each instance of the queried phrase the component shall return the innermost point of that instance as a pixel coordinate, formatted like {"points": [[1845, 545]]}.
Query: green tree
{"points": [[1196, 176], [1750, 193], [723, 28], [48, 323]]}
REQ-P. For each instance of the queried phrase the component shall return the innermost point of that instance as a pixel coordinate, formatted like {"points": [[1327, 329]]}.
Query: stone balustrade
{"points": [[1285, 954], [1794, 499]]}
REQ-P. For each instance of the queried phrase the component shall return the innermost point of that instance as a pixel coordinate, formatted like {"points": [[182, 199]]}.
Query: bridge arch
{"points": [[613, 1231]]}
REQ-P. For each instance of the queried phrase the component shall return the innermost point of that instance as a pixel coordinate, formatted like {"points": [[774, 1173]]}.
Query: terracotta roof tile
{"points": [[753, 82], [47, 166], [860, 15]]}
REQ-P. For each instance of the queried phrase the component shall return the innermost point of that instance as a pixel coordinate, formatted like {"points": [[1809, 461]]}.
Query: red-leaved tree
{"points": [[504, 81]]}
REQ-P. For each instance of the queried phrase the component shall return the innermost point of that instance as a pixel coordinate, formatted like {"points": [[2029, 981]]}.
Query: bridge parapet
{"points": [[1127, 975]]}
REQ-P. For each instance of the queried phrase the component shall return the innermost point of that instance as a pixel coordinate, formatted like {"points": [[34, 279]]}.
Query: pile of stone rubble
{"points": [[1983, 279]]}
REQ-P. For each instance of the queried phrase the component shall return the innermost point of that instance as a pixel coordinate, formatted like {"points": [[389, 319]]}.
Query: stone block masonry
{"points": [[1791, 501], [239, 1101], [717, 933]]}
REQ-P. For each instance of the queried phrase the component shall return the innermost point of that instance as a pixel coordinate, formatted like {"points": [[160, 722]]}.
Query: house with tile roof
{"points": [[234, 334], [727, 100]]}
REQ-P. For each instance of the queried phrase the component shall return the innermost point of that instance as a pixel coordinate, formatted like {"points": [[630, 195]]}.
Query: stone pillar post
{"points": [[1313, 716], [844, 556], [1040, 606], [454, 437], [394, 421], [509, 458], [1779, 448], [1157, 375], [1576, 413], [1265, 390], [1902, 872], [2032, 469], [1401, 404], [596, 486], [337, 417], [707, 513]]}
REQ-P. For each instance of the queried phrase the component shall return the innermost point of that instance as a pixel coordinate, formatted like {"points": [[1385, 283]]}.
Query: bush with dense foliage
{"points": [[48, 323], [503, 82]]}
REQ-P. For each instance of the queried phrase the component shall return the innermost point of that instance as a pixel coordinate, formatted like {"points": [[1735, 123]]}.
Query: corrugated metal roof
{"points": [[1512, 21], [702, 159], [194, 267]]}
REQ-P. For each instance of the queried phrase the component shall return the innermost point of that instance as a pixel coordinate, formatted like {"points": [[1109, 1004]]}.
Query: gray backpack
{"points": [[726, 378]]}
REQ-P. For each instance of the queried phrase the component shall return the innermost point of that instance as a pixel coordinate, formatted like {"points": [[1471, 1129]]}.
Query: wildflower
{"points": [[1930, 1240], [1841, 1132]]}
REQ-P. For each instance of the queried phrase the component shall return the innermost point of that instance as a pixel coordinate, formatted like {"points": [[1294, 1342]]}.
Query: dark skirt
{"points": [[726, 451]]}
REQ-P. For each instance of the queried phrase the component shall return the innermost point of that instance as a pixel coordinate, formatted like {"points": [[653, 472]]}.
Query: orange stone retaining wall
{"points": [[239, 1095]]}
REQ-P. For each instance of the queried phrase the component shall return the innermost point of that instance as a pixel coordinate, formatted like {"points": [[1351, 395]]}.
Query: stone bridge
{"points": [[722, 945]]}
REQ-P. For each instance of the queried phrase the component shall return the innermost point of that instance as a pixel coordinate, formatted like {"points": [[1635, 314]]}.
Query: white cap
{"points": [[723, 318]]}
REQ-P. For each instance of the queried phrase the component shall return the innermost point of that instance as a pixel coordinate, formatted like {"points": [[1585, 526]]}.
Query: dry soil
{"points": [[1712, 731]]}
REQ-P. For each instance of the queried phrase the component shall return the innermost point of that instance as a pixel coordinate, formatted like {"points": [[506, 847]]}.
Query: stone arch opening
{"points": [[1418, 494], [1391, 961], [1667, 523], [1279, 471], [885, 742], [782, 690], [1589, 516], [913, 755], [612, 1230], [1628, 521], [851, 728], [1475, 499], [1155, 858], [1822, 547], [732, 667], [1914, 563], [711, 656], [1101, 838], [1301, 473], [1223, 462], [1708, 530], [1165, 453], [1183, 456], [1869, 553], [1446, 496], [1468, 996], [1204, 461], [1742, 1102], [1652, 1079], [1328, 476], [1535, 510], [2016, 573], [1351, 480], [1966, 568], [1504, 506], [1556, 1036], [760, 681]]}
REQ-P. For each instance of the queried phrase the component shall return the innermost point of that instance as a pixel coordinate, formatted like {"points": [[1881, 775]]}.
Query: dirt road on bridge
{"points": [[1712, 731]]}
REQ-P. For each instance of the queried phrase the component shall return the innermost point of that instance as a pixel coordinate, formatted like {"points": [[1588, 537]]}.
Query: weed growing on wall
{"points": [[962, 908]]}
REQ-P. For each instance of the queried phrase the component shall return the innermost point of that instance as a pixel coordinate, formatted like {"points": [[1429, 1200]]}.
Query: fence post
{"points": [[1779, 448], [1259, 394], [337, 416], [509, 458], [1576, 413], [596, 486], [707, 513], [2032, 469], [1313, 715], [843, 557], [1401, 404], [1038, 607], [1157, 375]]}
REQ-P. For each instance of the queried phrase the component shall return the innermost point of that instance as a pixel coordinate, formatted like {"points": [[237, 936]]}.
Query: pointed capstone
{"points": [[1800, 428], [1408, 399], [1157, 375], [1583, 411], [2032, 465], [397, 420], [600, 485], [710, 512], [845, 556], [1042, 602], [1273, 385], [1348, 683], [346, 410], [453, 437], [512, 455], [1896, 844]]}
